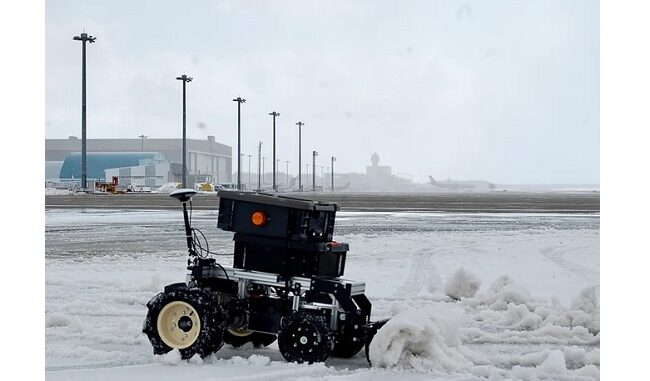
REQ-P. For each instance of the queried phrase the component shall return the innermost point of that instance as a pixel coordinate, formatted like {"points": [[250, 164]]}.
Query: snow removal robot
{"points": [[285, 284]]}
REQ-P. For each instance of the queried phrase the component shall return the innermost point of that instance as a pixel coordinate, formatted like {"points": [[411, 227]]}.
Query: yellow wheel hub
{"points": [[239, 332], [178, 325]]}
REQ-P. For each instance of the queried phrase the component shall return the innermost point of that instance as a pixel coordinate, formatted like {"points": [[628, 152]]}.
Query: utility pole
{"points": [[259, 166], [241, 156], [300, 124], [250, 186], [142, 138], [313, 172], [287, 172], [239, 101], [333, 160], [90, 39], [275, 187], [185, 79], [263, 171], [326, 173]]}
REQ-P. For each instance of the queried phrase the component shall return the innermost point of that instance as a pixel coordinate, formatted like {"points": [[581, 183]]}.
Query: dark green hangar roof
{"points": [[97, 162]]}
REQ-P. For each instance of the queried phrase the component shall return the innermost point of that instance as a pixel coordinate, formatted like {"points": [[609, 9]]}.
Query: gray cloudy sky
{"points": [[506, 91]]}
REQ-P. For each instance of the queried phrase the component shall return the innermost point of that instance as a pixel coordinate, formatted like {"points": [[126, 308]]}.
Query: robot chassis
{"points": [[285, 284]]}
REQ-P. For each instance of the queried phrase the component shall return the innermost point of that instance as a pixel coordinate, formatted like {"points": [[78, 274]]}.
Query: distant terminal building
{"points": [[138, 162], [378, 172]]}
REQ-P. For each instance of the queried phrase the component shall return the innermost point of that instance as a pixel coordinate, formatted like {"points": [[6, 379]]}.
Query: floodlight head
{"points": [[183, 195]]}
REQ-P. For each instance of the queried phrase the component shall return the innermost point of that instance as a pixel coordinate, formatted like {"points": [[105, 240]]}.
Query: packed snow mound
{"points": [[463, 284], [588, 302], [502, 293], [57, 319], [554, 363], [172, 357], [58, 192], [167, 188], [420, 339]]}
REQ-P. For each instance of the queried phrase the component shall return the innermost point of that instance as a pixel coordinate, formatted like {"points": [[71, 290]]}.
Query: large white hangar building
{"points": [[148, 161]]}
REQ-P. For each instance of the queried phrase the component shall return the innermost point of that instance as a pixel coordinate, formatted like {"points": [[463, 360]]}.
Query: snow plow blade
{"points": [[371, 330]]}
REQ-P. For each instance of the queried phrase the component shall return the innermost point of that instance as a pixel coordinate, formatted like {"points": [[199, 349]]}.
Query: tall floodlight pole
{"points": [[300, 124], [239, 101], [307, 165], [142, 138], [287, 161], [313, 171], [275, 187], [321, 176], [259, 166], [263, 171], [276, 166], [185, 79], [241, 157], [333, 160], [249, 173], [83, 37]]}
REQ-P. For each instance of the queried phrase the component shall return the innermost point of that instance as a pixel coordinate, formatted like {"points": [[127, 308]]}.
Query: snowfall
{"points": [[470, 297]]}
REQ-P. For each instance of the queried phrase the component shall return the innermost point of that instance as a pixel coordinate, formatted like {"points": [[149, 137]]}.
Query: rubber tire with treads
{"points": [[259, 339], [305, 337], [212, 320]]}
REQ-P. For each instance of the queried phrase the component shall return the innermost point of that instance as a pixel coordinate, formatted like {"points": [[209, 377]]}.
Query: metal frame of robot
{"points": [[246, 277]]}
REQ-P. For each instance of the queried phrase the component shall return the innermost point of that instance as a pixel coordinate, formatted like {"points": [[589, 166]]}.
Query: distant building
{"points": [[139, 162], [380, 172]]}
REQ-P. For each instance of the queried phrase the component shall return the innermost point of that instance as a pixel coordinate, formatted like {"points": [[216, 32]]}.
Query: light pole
{"points": [[263, 171], [241, 156], [307, 165], [275, 188], [326, 172], [287, 161], [83, 38], [333, 160], [142, 138], [321, 176], [239, 101], [276, 166], [259, 166], [249, 173], [300, 124], [313, 172], [185, 79]]}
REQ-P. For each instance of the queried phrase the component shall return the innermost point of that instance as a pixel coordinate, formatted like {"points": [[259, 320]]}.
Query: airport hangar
{"points": [[146, 162]]}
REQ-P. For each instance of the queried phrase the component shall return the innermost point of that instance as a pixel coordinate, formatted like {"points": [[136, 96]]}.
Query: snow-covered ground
{"points": [[528, 307]]}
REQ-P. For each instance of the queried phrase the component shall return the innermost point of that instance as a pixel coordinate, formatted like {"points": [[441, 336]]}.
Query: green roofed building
{"points": [[138, 161], [98, 162]]}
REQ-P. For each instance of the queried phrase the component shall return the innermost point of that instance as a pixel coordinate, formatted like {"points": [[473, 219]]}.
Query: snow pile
{"points": [[58, 192], [589, 302], [57, 319], [167, 188], [503, 292], [462, 284], [554, 363], [172, 357], [420, 339]]}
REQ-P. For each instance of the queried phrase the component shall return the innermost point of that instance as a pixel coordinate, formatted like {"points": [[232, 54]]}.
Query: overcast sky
{"points": [[505, 91]]}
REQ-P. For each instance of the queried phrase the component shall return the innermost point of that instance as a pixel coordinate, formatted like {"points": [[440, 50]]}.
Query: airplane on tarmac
{"points": [[459, 185]]}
